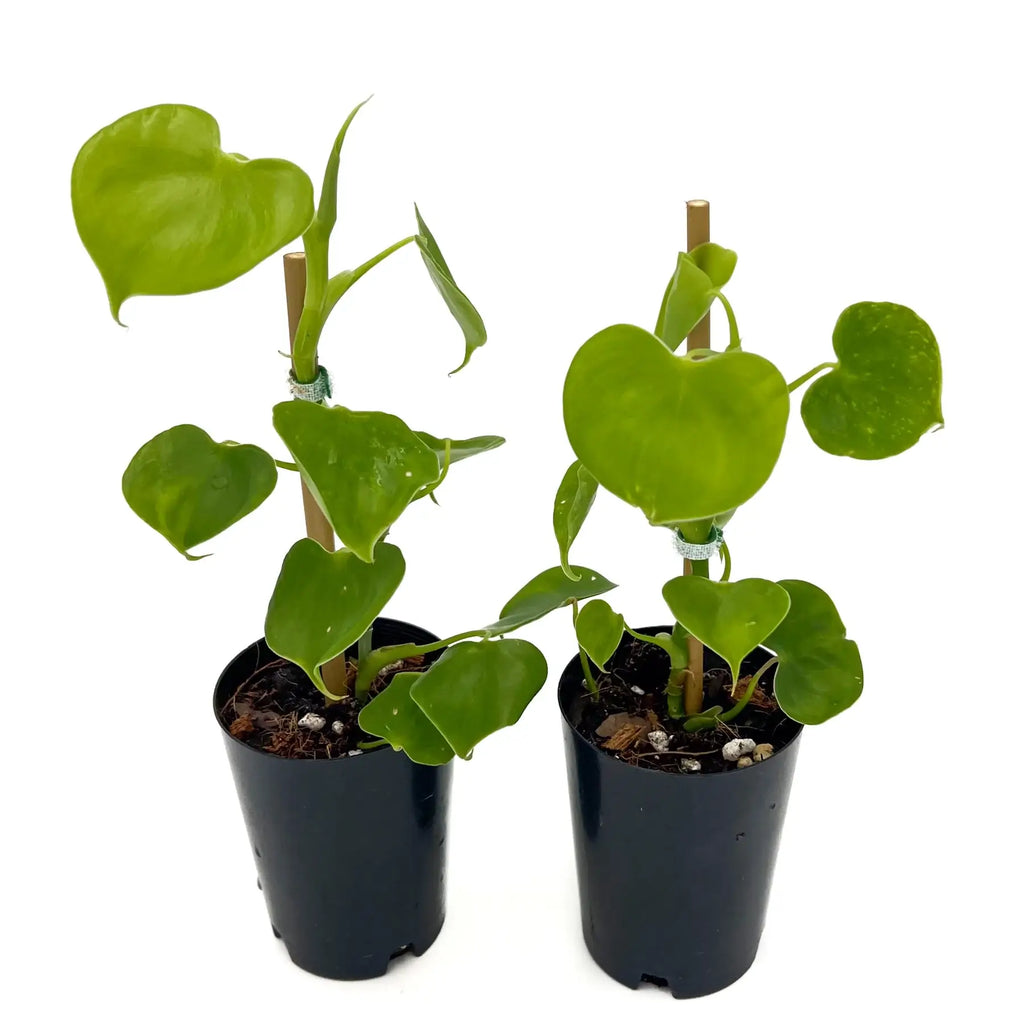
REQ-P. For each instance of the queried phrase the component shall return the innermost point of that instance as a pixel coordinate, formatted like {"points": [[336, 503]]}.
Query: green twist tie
{"points": [[318, 389], [700, 552]]}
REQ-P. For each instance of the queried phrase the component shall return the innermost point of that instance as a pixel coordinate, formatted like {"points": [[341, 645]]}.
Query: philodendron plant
{"points": [[688, 437], [162, 210]]}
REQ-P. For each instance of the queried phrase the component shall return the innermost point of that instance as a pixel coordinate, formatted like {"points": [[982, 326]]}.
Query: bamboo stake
{"points": [[317, 526], [698, 231]]}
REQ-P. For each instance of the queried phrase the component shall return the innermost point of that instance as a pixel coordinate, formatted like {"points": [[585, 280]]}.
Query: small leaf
{"points": [[820, 671], [474, 689], [716, 262], [363, 468], [730, 618], [189, 488], [886, 391], [573, 500], [396, 717], [599, 630], [687, 300], [681, 439], [460, 449], [325, 600], [461, 308], [327, 210], [547, 591], [163, 210]]}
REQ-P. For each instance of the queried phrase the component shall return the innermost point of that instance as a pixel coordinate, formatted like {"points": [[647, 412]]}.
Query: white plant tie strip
{"points": [[700, 552], [316, 390]]}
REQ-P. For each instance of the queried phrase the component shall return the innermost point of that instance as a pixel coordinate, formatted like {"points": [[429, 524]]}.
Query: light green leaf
{"points": [[716, 262], [163, 210], [189, 488], [547, 591], [820, 671], [396, 717], [599, 630], [363, 468], [730, 618], [687, 300], [886, 390], [460, 449], [573, 500], [474, 689], [679, 438], [325, 600], [455, 299], [327, 210]]}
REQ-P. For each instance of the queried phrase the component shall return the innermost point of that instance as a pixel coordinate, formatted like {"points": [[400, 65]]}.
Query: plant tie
{"points": [[316, 390], [700, 552]]}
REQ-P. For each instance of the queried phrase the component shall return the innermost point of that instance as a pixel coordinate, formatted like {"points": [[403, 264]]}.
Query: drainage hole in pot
{"points": [[401, 951], [653, 979]]}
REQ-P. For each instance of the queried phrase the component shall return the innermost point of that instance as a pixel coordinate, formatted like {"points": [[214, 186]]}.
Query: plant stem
{"points": [[809, 374], [734, 331], [286, 465], [693, 687], [674, 691], [340, 283], [376, 661], [738, 707], [365, 645]]}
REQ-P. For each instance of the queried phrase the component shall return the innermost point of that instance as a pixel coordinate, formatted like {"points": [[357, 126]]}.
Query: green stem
{"points": [[429, 491], [365, 645], [286, 465], [723, 550], [371, 666], [311, 322], [584, 659], [371, 744], [738, 707], [809, 374], [674, 692], [340, 283], [734, 331]]}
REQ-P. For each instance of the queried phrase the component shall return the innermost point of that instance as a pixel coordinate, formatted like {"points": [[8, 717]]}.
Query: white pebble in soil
{"points": [[338, 726], [637, 691], [744, 762], [659, 740], [354, 753], [312, 722], [735, 749], [690, 764], [762, 752]]}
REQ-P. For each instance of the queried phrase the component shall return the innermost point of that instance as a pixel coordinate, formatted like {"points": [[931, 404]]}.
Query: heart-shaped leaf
{"points": [[474, 689], [886, 390], [687, 300], [573, 499], [682, 439], [716, 262], [363, 468], [460, 449], [461, 308], [163, 210], [547, 591], [325, 600], [599, 630], [820, 671], [396, 717], [730, 618], [189, 488]]}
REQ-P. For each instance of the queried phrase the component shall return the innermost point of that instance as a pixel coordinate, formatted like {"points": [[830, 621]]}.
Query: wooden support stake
{"points": [[698, 231], [317, 526]]}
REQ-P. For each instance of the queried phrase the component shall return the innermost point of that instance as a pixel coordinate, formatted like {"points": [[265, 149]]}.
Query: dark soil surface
{"points": [[264, 713], [633, 690]]}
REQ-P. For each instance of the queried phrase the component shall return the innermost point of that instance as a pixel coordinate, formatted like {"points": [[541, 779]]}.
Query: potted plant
{"points": [[162, 210], [681, 739]]}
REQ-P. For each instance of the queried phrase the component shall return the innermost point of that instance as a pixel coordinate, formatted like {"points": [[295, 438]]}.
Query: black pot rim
{"points": [[563, 688]]}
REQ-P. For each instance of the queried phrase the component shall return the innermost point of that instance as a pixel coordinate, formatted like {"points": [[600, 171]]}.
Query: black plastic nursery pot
{"points": [[350, 852], [674, 869]]}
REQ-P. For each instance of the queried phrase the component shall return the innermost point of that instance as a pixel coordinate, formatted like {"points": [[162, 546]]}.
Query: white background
{"points": [[850, 151]]}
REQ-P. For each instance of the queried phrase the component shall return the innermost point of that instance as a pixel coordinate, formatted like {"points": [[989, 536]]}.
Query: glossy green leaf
{"points": [[886, 390], [598, 630], [547, 591], [681, 439], [820, 671], [189, 488], [363, 468], [325, 600], [573, 500], [455, 299], [460, 449], [716, 262], [730, 618], [396, 717], [163, 210], [327, 209], [687, 300], [474, 689]]}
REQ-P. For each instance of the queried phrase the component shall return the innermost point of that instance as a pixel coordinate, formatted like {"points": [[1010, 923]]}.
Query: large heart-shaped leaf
{"points": [[325, 600], [682, 439], [363, 468], [599, 630], [820, 671], [686, 302], [460, 449], [396, 717], [573, 499], [730, 618], [189, 488], [163, 210], [474, 689], [547, 591], [886, 390], [461, 308]]}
